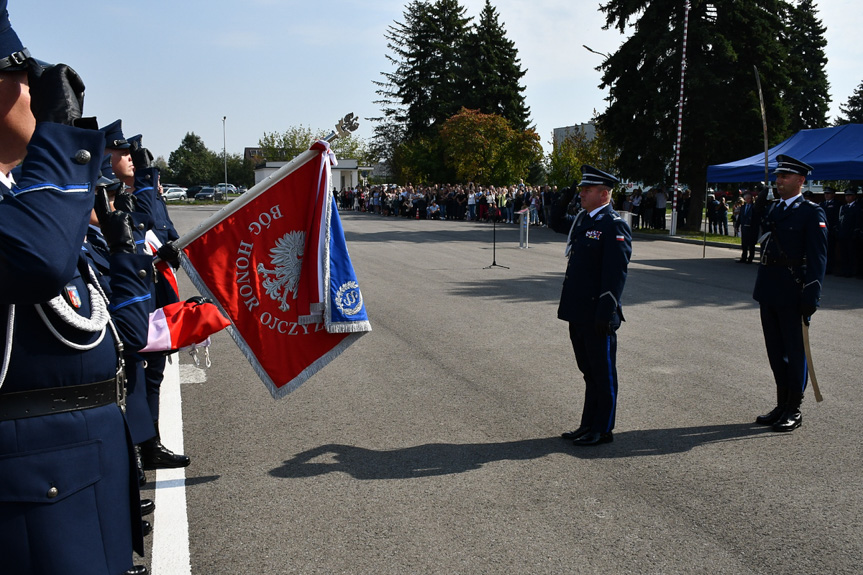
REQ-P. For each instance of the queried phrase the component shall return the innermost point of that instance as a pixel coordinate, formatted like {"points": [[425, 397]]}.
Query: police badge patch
{"points": [[72, 296]]}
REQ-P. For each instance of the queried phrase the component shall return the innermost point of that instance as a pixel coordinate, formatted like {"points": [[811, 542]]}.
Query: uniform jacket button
{"points": [[82, 157], [142, 274], [52, 493]]}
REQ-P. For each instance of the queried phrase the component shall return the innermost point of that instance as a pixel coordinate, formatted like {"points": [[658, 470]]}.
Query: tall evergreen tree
{"points": [[441, 64], [422, 92], [807, 96], [492, 72], [852, 111], [722, 119]]}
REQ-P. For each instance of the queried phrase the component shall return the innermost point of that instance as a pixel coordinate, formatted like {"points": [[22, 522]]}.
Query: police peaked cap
{"points": [[789, 165], [114, 135], [852, 191], [590, 176], [13, 54]]}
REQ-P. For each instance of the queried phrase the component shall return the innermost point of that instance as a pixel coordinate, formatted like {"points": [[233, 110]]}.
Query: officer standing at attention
{"points": [[748, 229], [132, 164], [788, 285], [68, 503], [831, 207], [599, 247]]}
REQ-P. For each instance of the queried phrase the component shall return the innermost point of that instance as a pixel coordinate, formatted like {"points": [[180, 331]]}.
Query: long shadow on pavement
{"points": [[448, 458]]}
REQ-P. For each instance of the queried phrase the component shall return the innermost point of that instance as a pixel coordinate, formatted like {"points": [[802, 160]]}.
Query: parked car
{"points": [[209, 194], [226, 188], [174, 194], [192, 191]]}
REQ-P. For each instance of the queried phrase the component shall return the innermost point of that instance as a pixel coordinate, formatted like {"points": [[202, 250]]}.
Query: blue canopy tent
{"points": [[834, 154]]}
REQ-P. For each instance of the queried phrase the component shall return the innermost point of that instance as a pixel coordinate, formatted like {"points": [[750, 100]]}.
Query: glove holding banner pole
{"points": [[168, 252]]}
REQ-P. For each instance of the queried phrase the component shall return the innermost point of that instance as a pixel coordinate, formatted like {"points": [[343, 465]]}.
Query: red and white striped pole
{"points": [[679, 123]]}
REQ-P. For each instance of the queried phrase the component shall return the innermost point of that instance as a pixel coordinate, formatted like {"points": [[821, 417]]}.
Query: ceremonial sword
{"points": [[809, 365]]}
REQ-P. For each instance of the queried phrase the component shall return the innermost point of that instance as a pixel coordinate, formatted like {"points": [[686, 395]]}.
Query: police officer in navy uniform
{"points": [[788, 285], [831, 207], [136, 170], [847, 233], [138, 417], [598, 247], [68, 503], [748, 229]]}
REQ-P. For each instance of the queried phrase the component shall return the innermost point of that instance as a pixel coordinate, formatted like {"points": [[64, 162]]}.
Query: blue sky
{"points": [[168, 67]]}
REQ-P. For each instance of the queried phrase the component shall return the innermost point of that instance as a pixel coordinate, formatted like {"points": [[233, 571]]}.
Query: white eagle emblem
{"points": [[287, 260]]}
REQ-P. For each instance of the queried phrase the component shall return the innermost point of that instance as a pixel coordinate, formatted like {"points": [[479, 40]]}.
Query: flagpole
{"points": [[344, 128], [674, 198]]}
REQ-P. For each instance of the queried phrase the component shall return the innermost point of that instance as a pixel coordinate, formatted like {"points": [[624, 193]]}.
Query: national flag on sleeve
{"points": [[276, 261]]}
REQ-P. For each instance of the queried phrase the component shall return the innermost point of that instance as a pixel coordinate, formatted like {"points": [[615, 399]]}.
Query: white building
{"points": [[561, 134], [348, 174]]}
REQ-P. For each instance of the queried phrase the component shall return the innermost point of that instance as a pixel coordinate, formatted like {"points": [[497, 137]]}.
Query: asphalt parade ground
{"points": [[431, 446]]}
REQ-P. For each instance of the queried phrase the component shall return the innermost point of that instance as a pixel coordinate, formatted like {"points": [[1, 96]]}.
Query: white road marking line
{"points": [[170, 521]]}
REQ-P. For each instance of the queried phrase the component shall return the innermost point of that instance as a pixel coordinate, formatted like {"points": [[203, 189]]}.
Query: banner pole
{"points": [[345, 126]]}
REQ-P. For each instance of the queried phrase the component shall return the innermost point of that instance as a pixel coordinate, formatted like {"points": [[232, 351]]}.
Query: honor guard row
{"points": [[76, 396], [69, 499]]}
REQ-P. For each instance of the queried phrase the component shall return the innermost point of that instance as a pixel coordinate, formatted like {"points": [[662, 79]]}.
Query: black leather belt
{"points": [[37, 402]]}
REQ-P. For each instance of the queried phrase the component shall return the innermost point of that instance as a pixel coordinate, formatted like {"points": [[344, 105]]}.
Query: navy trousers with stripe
{"points": [[596, 356]]}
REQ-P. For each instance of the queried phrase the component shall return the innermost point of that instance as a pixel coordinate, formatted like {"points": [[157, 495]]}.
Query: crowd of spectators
{"points": [[503, 204], [470, 202], [500, 204]]}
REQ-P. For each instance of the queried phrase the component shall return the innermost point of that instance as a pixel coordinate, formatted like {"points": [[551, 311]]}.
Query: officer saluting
{"points": [[68, 503], [788, 285], [599, 247]]}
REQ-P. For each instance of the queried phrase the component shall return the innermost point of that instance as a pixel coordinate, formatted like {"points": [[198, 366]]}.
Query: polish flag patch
{"points": [[822, 224], [620, 238]]}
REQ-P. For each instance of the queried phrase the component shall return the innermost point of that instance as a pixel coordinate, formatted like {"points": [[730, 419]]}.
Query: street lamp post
{"points": [[225, 153]]}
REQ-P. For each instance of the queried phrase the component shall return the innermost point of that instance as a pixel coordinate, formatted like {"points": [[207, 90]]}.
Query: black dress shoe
{"points": [[146, 527], [789, 421], [594, 438], [575, 434], [147, 506], [154, 454], [771, 417], [137, 570]]}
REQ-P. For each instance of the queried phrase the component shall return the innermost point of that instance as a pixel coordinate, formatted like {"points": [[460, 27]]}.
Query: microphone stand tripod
{"points": [[494, 263]]}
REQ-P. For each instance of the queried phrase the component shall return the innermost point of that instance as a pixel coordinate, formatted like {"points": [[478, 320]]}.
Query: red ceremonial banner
{"points": [[266, 266]]}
